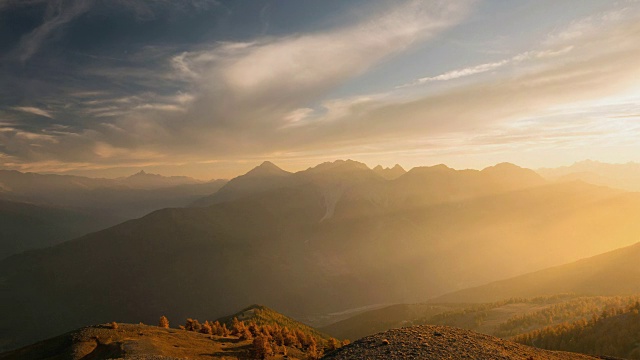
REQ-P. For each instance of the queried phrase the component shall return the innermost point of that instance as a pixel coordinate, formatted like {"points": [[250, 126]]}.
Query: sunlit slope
{"points": [[612, 333], [130, 341], [504, 319], [614, 273], [339, 237]]}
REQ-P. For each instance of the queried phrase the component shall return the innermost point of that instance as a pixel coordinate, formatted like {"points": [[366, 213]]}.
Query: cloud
{"points": [[251, 88], [58, 13], [486, 67], [33, 110], [61, 12], [271, 96]]}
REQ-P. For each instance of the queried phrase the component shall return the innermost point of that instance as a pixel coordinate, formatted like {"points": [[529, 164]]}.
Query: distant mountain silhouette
{"points": [[621, 176], [126, 197], [144, 180], [613, 273], [90, 204], [329, 238], [26, 226]]}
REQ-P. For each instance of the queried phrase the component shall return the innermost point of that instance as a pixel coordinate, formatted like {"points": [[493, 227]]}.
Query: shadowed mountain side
{"points": [[176, 262], [613, 273], [441, 342], [325, 245], [266, 176], [26, 226], [57, 208]]}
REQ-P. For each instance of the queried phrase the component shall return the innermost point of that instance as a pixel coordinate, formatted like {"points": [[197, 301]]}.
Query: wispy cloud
{"points": [[304, 65], [57, 14], [487, 67], [33, 110]]}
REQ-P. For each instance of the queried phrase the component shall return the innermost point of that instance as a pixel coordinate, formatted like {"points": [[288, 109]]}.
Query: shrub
{"points": [[164, 322], [262, 347], [206, 328]]}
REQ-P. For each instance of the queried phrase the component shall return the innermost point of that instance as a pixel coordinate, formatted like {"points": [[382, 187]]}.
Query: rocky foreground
{"points": [[143, 342], [442, 342]]}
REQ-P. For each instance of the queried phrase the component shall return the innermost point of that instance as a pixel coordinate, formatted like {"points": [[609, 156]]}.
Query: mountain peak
{"points": [[339, 165], [390, 173], [142, 173], [503, 166], [513, 174], [268, 164], [440, 168], [267, 168]]}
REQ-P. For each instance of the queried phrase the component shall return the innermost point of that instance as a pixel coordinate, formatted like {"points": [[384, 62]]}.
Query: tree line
{"points": [[266, 339], [613, 332]]}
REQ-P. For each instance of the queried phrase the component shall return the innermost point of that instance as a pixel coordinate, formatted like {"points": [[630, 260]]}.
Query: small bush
{"points": [[164, 322]]}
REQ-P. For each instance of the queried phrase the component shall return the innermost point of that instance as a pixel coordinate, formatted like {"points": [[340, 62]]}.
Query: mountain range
{"points": [[620, 176], [330, 238], [42, 209]]}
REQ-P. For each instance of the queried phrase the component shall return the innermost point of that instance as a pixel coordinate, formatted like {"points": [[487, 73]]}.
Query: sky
{"points": [[211, 88]]}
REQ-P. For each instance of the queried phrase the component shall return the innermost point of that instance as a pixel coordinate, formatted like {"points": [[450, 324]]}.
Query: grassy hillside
{"points": [[614, 332], [253, 333], [502, 319], [142, 341], [262, 315], [517, 316]]}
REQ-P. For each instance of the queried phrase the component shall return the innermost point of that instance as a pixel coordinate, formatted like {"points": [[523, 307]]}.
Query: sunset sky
{"points": [[211, 88]]}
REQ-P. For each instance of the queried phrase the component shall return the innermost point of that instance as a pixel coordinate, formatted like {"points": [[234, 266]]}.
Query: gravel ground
{"points": [[442, 342]]}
